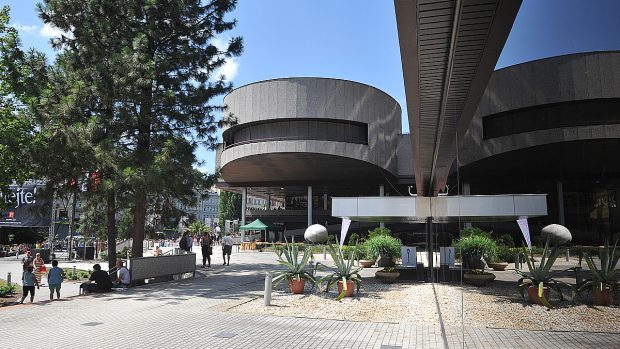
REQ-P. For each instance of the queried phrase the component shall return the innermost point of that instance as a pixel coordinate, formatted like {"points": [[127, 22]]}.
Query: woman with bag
{"points": [[39, 267], [207, 250]]}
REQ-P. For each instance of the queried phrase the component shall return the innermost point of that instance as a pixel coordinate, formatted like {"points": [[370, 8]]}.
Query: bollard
{"points": [[567, 255], [8, 279], [518, 261], [324, 253], [268, 285]]}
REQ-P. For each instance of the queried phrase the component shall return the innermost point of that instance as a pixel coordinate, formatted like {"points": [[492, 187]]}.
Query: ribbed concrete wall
{"points": [[582, 76], [318, 98]]}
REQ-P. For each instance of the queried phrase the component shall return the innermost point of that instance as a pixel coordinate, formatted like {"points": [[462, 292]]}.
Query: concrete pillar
{"points": [[269, 201], [466, 191], [325, 201], [244, 199], [560, 202], [309, 205], [429, 248], [381, 193]]}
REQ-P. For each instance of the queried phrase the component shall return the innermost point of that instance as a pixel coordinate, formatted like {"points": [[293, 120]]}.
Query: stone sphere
{"points": [[316, 234], [556, 233]]}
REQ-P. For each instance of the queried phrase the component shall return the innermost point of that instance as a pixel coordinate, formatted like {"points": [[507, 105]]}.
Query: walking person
{"points": [[183, 242], [39, 267], [207, 250], [29, 280], [227, 244], [27, 261], [55, 277]]}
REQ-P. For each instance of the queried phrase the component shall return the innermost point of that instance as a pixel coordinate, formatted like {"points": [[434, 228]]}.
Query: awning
{"points": [[256, 225]]}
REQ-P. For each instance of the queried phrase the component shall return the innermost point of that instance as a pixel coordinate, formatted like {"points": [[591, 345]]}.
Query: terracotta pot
{"points": [[500, 266], [350, 288], [532, 292], [367, 263], [297, 286], [602, 297], [386, 277]]}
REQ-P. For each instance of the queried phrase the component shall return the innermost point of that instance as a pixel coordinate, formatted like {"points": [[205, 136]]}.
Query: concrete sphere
{"points": [[556, 233], [316, 234]]}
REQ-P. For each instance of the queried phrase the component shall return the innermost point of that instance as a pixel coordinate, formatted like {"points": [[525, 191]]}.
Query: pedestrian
{"points": [[124, 278], [190, 242], [55, 277], [207, 250], [183, 242], [227, 244], [39, 267], [28, 282], [102, 282], [27, 261]]}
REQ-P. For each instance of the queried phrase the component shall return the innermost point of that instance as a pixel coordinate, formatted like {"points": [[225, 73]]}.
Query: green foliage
{"points": [[379, 231], [296, 268], [76, 274], [506, 254], [230, 206], [7, 290], [198, 228], [606, 275], [353, 239], [474, 231], [361, 250], [343, 270], [125, 224], [540, 275], [384, 246], [505, 240], [122, 254], [472, 245]]}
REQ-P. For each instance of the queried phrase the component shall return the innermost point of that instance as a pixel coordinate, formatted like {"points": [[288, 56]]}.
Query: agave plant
{"points": [[606, 275], [296, 268], [343, 270], [540, 275]]}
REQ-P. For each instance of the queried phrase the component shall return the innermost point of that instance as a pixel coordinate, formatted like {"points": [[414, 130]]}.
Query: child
{"points": [[54, 279], [29, 280]]}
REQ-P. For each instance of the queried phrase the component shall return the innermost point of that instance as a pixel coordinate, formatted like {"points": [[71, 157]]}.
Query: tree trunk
{"points": [[139, 217], [111, 225]]}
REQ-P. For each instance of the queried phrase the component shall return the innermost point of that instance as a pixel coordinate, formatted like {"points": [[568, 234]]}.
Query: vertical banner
{"points": [[446, 256], [343, 230], [409, 256], [525, 229]]}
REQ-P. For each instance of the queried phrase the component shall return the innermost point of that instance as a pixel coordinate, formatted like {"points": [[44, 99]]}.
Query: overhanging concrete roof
{"points": [[470, 208], [449, 49]]}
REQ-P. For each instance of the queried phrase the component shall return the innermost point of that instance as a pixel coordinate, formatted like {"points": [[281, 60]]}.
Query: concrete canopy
{"points": [[448, 50]]}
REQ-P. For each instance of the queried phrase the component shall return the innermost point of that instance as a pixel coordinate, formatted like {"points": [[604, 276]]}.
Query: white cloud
{"points": [[25, 28], [50, 31], [229, 69]]}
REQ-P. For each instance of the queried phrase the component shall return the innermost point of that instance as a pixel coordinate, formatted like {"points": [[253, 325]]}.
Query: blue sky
{"points": [[357, 39]]}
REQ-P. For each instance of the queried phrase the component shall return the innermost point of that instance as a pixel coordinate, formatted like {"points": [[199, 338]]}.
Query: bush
{"points": [[384, 246], [476, 245], [506, 254], [506, 240], [474, 231], [7, 290], [77, 275], [353, 239], [122, 254], [379, 231]]}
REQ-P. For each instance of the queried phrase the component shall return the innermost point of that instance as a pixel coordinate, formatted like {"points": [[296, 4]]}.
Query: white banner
{"points": [[409, 256], [525, 229], [343, 230], [446, 256]]}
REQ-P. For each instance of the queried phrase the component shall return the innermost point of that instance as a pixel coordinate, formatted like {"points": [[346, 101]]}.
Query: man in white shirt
{"points": [[227, 244], [123, 279]]}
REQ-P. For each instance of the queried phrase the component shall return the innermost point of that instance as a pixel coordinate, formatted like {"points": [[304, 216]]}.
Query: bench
{"points": [[161, 268]]}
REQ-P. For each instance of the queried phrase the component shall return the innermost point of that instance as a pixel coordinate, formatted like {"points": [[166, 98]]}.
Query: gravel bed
{"points": [[498, 306]]}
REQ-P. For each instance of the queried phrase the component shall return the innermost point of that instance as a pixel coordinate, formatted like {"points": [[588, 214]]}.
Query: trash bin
{"points": [[89, 250]]}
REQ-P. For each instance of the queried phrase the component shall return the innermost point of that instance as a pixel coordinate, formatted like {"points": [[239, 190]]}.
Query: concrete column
{"points": [[244, 199], [429, 248], [309, 205], [325, 201], [560, 202], [269, 201], [466, 191], [381, 193]]}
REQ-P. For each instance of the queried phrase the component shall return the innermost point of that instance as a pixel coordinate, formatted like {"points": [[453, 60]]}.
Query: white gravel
{"points": [[416, 303]]}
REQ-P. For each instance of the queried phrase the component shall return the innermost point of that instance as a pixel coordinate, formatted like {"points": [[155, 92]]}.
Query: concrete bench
{"points": [[161, 268]]}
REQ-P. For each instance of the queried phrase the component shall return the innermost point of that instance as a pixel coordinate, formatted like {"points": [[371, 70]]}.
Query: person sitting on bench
{"points": [[101, 279], [123, 280]]}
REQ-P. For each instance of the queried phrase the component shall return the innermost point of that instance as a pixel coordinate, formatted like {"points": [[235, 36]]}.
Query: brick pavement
{"points": [[192, 314]]}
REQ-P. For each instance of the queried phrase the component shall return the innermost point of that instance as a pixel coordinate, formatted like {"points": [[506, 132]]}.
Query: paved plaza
{"points": [[194, 313]]}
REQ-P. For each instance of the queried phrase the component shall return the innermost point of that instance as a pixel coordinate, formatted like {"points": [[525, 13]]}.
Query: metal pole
{"points": [[381, 193], [309, 205], [268, 286], [8, 279]]}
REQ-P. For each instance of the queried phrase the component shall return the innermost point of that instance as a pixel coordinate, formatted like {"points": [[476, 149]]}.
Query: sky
{"points": [[358, 40]]}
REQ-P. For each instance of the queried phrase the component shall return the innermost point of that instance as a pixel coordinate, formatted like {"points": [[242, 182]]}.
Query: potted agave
{"points": [[343, 273], [538, 282], [603, 281], [296, 272]]}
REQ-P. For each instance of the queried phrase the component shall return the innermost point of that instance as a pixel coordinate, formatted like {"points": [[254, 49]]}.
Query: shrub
{"points": [[476, 245], [353, 239], [379, 231], [77, 275], [506, 254], [506, 240], [384, 246], [474, 231], [7, 290]]}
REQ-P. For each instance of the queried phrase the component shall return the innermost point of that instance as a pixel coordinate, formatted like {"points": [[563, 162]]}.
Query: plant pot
{"points": [[385, 262], [297, 286], [603, 297], [479, 279], [367, 263], [532, 292], [350, 288], [474, 262], [386, 277], [499, 266]]}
